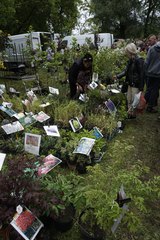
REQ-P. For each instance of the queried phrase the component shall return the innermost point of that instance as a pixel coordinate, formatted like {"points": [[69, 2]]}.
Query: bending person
{"points": [[80, 68]]}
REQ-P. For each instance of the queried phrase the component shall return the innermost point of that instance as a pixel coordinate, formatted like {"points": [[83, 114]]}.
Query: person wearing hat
{"points": [[134, 73], [80, 74]]}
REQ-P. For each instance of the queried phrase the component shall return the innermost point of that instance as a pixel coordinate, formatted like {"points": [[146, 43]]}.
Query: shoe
{"points": [[151, 110]]}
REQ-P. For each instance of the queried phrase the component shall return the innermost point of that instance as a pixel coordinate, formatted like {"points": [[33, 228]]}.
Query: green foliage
{"points": [[64, 112], [62, 186], [106, 123], [7, 13], [3, 40], [101, 190], [108, 62], [12, 146]]}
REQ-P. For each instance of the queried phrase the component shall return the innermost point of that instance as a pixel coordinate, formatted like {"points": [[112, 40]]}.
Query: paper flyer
{"points": [[49, 163], [110, 106], [32, 143], [97, 133], [27, 119], [12, 127], [85, 146], [41, 117], [19, 115], [54, 90], [92, 85], [8, 111], [7, 104], [83, 97], [52, 130], [31, 96]]}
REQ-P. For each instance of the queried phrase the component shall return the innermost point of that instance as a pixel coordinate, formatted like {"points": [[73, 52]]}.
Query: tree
{"points": [[33, 13], [127, 18], [4, 41], [7, 13], [64, 15], [43, 15], [150, 14]]}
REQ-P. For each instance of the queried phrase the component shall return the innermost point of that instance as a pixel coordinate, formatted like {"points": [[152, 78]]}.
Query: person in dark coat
{"points": [[134, 73], [152, 72], [80, 73]]}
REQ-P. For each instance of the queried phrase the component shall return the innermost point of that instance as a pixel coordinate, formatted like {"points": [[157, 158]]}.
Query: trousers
{"points": [[152, 91]]}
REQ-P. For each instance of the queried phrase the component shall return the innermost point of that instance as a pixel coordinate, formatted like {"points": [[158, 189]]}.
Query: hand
{"points": [[79, 88], [114, 78]]}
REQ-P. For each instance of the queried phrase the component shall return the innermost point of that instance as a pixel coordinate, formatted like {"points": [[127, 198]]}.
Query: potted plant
{"points": [[66, 111], [19, 186], [62, 186]]}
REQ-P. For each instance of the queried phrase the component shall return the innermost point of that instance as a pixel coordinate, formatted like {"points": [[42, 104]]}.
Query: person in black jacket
{"points": [[134, 73], [80, 68]]}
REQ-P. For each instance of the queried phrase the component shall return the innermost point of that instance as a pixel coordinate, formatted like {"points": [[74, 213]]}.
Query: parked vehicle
{"points": [[97, 40], [16, 57]]}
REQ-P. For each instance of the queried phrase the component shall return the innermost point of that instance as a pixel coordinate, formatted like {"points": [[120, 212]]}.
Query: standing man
{"points": [[152, 40], [82, 65], [152, 72]]}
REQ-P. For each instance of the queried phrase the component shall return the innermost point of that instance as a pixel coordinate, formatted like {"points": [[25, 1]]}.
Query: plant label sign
{"points": [[32, 143], [13, 127], [49, 163], [41, 117], [2, 157], [54, 90], [85, 146], [26, 224], [75, 124], [118, 220], [52, 130]]}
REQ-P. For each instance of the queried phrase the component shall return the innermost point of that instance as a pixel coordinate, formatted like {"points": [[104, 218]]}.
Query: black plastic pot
{"points": [[65, 221], [88, 232], [81, 168]]}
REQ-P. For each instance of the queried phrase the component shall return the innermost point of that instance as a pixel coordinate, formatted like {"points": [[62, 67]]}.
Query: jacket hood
{"points": [[157, 46]]}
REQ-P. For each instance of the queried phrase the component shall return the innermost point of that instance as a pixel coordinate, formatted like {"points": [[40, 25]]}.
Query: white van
{"points": [[98, 40], [15, 53], [80, 39], [36, 40], [105, 40]]}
